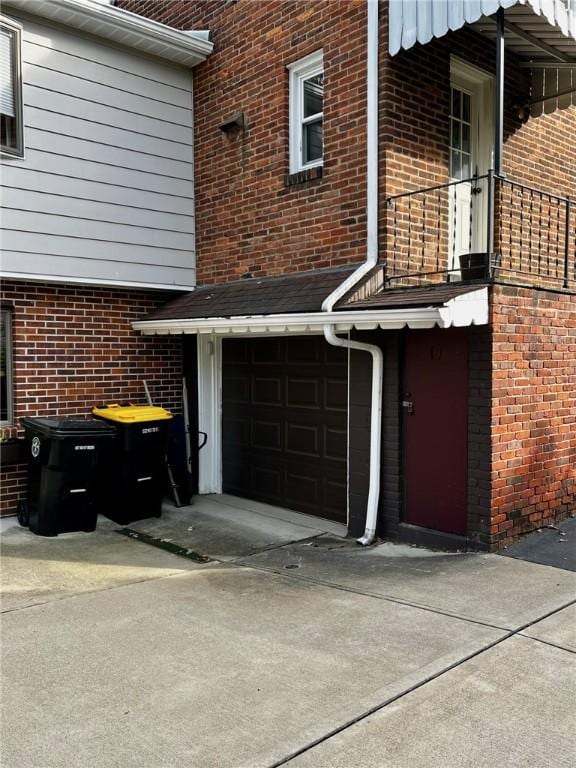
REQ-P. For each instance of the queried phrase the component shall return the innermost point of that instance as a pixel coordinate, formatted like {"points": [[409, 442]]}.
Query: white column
{"points": [[210, 412]]}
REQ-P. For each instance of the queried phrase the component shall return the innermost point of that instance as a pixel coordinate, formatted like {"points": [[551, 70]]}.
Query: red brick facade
{"points": [[533, 409], [74, 348]]}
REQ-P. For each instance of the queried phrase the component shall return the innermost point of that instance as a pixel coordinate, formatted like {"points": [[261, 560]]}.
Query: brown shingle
{"points": [[432, 295], [302, 292]]}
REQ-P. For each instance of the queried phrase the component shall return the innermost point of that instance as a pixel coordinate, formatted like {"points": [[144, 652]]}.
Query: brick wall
{"points": [[479, 434], [533, 410], [74, 348], [249, 221]]}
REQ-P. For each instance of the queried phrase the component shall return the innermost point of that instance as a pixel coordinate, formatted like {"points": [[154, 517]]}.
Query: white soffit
{"points": [[419, 21], [467, 309], [122, 27]]}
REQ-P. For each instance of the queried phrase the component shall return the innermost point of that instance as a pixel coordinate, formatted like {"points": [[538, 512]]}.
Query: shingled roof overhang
{"points": [[293, 304]]}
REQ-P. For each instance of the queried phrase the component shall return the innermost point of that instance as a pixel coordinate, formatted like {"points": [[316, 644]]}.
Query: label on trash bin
{"points": [[35, 447], [149, 430]]}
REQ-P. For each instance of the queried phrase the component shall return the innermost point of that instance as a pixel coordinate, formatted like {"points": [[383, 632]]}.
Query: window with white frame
{"points": [[306, 112], [6, 393], [11, 130]]}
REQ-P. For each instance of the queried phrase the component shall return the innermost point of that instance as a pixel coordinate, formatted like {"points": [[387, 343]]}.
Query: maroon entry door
{"points": [[435, 408]]}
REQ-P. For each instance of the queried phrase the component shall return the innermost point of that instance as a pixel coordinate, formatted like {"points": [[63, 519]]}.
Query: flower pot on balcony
{"points": [[474, 266], [12, 452]]}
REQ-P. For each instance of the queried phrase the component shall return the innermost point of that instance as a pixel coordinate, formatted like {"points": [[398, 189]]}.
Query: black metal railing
{"points": [[534, 235], [483, 227]]}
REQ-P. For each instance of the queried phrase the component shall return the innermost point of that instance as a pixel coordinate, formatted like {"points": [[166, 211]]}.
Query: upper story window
{"points": [[306, 112], [11, 131], [6, 409]]}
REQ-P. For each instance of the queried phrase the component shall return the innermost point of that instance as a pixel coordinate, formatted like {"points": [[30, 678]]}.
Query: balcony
{"points": [[485, 228]]}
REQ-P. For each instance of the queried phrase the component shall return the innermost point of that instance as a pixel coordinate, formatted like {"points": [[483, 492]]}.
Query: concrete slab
{"points": [[220, 667], [36, 569], [225, 528], [559, 629], [280, 513], [483, 587], [486, 712], [555, 546]]}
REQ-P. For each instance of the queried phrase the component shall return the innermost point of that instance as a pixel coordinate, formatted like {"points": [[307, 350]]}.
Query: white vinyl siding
{"points": [[105, 192]]}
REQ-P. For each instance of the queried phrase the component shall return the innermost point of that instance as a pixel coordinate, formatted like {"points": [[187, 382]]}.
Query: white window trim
{"points": [[7, 318], [299, 71], [18, 152]]}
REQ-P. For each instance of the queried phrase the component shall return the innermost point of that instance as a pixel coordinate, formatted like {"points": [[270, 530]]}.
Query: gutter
{"points": [[461, 311], [362, 271], [126, 28]]}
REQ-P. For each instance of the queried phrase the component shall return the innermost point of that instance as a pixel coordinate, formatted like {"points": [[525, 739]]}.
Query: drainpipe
{"points": [[363, 269]]}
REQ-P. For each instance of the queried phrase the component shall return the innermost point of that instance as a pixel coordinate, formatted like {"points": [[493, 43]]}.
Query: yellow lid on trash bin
{"points": [[129, 414]]}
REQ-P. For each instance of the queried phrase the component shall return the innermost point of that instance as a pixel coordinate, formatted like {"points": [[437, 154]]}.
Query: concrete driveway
{"points": [[289, 646]]}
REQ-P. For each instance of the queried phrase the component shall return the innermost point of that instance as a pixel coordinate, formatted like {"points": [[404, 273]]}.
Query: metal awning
{"points": [[542, 33], [445, 309], [419, 21]]}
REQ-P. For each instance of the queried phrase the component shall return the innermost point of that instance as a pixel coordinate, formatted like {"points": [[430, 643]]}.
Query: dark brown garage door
{"points": [[284, 423]]}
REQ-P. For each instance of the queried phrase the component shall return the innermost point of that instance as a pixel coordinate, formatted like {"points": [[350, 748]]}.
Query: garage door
{"points": [[284, 423]]}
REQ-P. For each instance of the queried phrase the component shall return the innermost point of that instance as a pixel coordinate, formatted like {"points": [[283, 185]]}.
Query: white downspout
{"points": [[363, 269]]}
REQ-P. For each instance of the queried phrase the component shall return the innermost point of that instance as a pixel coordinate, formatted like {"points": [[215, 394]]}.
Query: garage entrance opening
{"points": [[284, 423]]}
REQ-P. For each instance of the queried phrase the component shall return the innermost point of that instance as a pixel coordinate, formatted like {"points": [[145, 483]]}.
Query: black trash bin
{"points": [[63, 467], [135, 475]]}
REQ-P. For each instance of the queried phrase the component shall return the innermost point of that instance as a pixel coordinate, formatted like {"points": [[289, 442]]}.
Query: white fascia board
{"points": [[127, 29], [201, 34], [466, 309], [457, 312], [93, 282]]}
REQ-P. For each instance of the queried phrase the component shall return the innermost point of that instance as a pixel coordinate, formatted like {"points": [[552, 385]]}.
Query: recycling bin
{"points": [[134, 476], [64, 456]]}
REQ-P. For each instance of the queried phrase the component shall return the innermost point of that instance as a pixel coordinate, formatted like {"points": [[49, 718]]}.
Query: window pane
{"points": [[10, 102], [465, 138], [455, 165], [4, 373], [466, 107], [312, 142], [7, 73], [455, 103], [313, 95], [455, 134], [8, 132], [466, 171]]}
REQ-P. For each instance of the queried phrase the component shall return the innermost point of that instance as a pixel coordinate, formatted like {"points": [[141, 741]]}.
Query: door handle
{"points": [[408, 405]]}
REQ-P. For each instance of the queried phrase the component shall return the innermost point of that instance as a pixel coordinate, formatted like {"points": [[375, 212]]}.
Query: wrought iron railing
{"points": [[484, 227]]}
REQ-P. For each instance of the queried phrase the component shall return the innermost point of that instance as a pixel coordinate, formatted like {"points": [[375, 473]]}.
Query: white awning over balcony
{"points": [[540, 32], [418, 21]]}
